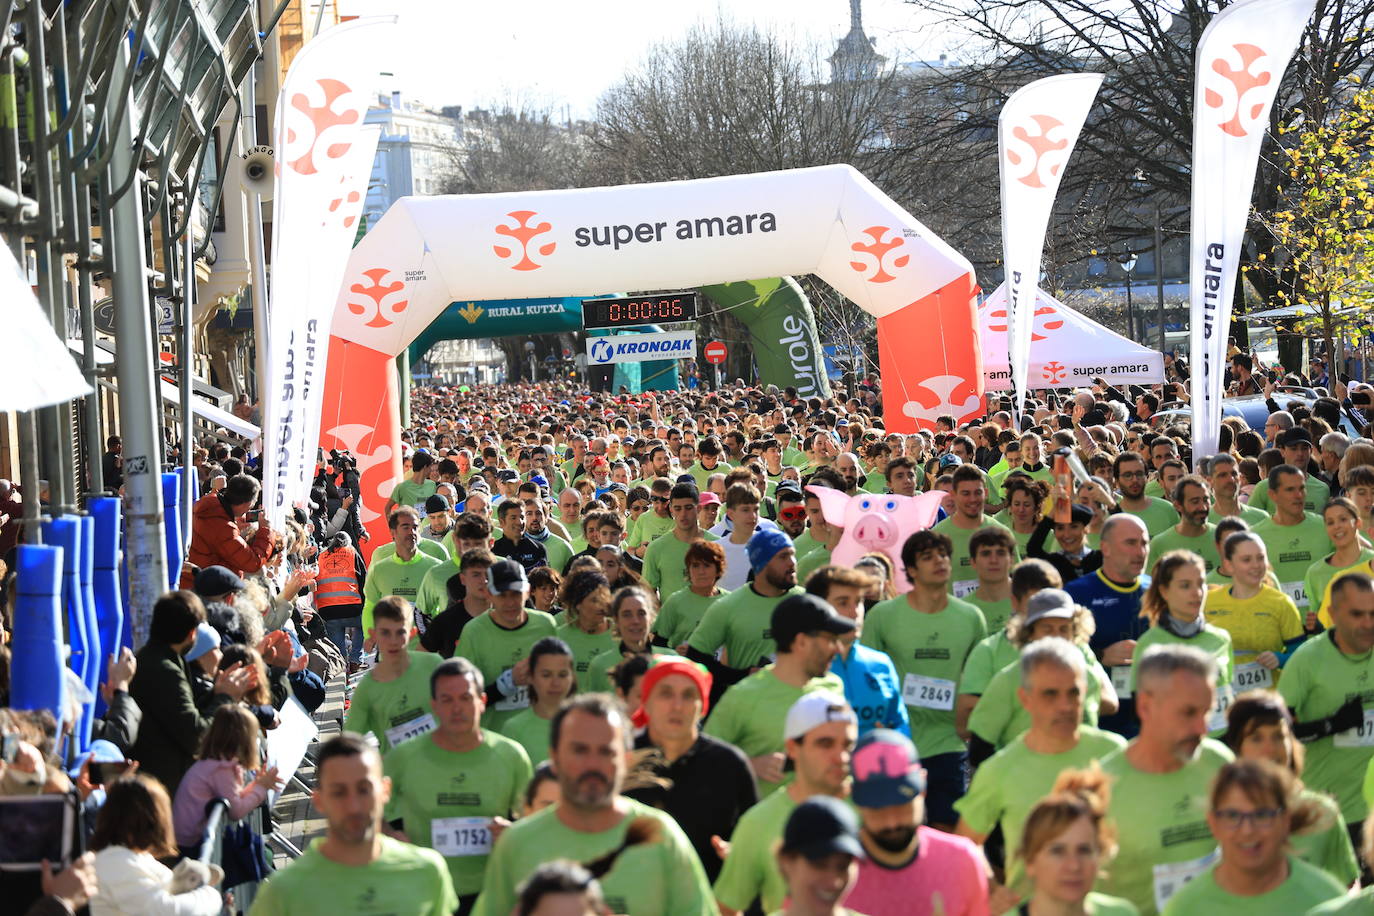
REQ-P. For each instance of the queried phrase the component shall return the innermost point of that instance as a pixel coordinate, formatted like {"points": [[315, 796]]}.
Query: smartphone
{"points": [[34, 828], [102, 774], [10, 747]]}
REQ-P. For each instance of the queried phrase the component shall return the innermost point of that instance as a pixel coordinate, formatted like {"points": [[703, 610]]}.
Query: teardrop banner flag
{"points": [[324, 160], [1240, 61], [1036, 132]]}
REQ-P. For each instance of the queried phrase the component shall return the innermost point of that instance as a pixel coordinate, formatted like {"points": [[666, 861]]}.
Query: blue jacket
{"points": [[872, 687]]}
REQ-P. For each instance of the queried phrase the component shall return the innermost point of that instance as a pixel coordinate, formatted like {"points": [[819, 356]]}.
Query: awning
{"points": [[209, 412]]}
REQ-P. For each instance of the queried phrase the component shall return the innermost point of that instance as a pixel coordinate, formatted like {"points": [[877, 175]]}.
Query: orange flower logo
{"points": [[1041, 320], [312, 125], [1053, 372], [879, 250], [1043, 150], [524, 232], [1239, 82], [377, 300]]}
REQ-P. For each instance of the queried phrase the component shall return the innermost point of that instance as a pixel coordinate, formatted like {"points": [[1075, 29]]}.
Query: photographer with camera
{"points": [[217, 532]]}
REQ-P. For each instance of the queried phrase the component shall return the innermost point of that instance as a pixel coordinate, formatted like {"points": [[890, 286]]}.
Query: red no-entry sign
{"points": [[714, 352]]}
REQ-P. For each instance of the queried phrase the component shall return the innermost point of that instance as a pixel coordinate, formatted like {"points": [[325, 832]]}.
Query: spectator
{"points": [[229, 751], [215, 532]]}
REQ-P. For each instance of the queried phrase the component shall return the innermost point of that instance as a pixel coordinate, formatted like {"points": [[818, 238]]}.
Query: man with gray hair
{"points": [[1160, 780], [1333, 447], [1278, 422], [1009, 783]]}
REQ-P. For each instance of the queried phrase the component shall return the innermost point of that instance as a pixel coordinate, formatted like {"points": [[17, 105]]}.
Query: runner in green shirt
{"points": [[1158, 515], [451, 787], [552, 680], [818, 732], [557, 550], [665, 566], [1193, 502], [1342, 520], [993, 550], [750, 714], [1293, 538], [655, 523], [391, 701], [682, 612], [970, 497], [654, 872], [1328, 683], [585, 625], [1223, 473], [1053, 684], [415, 489], [928, 634], [819, 839], [436, 549], [1159, 792], [402, 574], [740, 621], [708, 462], [499, 641], [1296, 446], [354, 869], [632, 616]]}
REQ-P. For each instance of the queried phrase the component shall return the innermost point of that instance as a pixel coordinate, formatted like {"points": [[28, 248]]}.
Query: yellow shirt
{"points": [[1259, 624], [1324, 615]]}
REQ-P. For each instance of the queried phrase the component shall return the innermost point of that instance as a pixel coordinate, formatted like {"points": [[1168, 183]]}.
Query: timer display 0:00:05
{"points": [[645, 310]]}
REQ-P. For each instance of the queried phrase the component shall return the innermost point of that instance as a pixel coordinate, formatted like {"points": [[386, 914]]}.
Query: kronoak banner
{"points": [[1241, 58], [324, 160], [1036, 133], [428, 252]]}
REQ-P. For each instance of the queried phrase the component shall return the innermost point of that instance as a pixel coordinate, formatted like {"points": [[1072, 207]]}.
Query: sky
{"points": [[563, 55]]}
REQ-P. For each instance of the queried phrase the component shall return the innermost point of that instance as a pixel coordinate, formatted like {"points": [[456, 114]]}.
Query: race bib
{"points": [[928, 692], [1252, 676], [1121, 681], [460, 836], [965, 588], [400, 734], [1360, 736], [1297, 591], [518, 700], [1169, 879], [1216, 719]]}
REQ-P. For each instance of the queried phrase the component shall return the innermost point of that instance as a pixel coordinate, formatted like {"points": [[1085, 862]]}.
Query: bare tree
{"points": [[515, 148]]}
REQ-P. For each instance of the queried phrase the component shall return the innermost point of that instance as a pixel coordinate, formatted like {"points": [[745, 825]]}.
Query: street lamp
{"points": [[1128, 262]]}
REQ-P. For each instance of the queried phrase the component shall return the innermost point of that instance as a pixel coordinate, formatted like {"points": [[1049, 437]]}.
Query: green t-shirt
{"points": [[1357, 904], [648, 527], [928, 651], [1329, 848], [1158, 515], [1204, 545], [394, 709], [742, 622], [815, 558], [430, 786], [750, 870], [557, 550], [995, 613], [433, 595], [988, 656], [1292, 551], [962, 578], [752, 713], [1318, 495], [394, 576], [999, 718], [1216, 642], [1248, 514], [663, 878], [1318, 679], [1160, 821], [410, 493], [1320, 574], [436, 549], [876, 483], [598, 676], [530, 732], [1011, 782], [681, 613], [494, 649], [585, 647], [405, 876], [665, 562], [701, 474], [1306, 887]]}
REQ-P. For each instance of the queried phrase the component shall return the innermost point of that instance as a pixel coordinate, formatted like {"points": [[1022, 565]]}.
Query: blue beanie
{"points": [[764, 545]]}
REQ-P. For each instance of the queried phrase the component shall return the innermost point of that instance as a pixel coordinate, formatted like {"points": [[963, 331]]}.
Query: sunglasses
{"points": [[638, 507], [793, 514]]}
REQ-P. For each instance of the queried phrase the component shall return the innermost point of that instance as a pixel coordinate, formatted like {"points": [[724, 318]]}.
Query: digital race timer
{"points": [[637, 310]]}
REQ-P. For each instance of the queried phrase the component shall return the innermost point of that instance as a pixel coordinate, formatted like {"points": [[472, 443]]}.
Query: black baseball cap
{"points": [[1294, 436], [507, 576], [806, 613], [436, 503], [213, 581], [822, 826]]}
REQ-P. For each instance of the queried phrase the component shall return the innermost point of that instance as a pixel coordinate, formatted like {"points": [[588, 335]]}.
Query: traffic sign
{"points": [[714, 352]]}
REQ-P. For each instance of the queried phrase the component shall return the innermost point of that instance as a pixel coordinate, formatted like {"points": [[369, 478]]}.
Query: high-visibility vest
{"points": [[337, 582]]}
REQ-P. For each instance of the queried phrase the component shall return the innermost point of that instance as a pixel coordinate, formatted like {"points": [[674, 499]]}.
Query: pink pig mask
{"points": [[876, 524]]}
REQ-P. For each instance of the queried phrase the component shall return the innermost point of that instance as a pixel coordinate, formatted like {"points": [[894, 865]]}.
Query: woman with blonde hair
{"points": [[1255, 807], [1065, 843]]}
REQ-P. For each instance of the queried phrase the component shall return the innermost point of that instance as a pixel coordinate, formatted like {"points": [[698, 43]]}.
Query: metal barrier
{"points": [[216, 818]]}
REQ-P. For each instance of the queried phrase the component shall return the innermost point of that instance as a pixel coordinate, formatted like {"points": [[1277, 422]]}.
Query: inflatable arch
{"points": [[428, 252]]}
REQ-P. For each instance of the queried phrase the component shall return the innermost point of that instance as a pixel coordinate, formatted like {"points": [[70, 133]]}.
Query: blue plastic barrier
{"points": [[106, 514], [36, 660], [65, 532], [171, 518], [96, 668]]}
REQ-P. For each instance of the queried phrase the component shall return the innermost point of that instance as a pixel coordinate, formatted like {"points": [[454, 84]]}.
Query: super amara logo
{"points": [[684, 230]]}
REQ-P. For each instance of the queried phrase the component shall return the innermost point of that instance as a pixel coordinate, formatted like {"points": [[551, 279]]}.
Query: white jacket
{"points": [[135, 884]]}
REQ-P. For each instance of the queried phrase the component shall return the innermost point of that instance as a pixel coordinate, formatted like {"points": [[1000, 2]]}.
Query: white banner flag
{"points": [[1240, 60], [634, 348], [324, 161], [1036, 132]]}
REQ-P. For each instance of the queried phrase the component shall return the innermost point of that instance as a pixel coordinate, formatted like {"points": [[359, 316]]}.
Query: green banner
{"points": [[782, 331]]}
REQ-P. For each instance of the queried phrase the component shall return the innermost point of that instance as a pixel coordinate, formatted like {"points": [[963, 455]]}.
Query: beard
{"points": [[893, 839]]}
